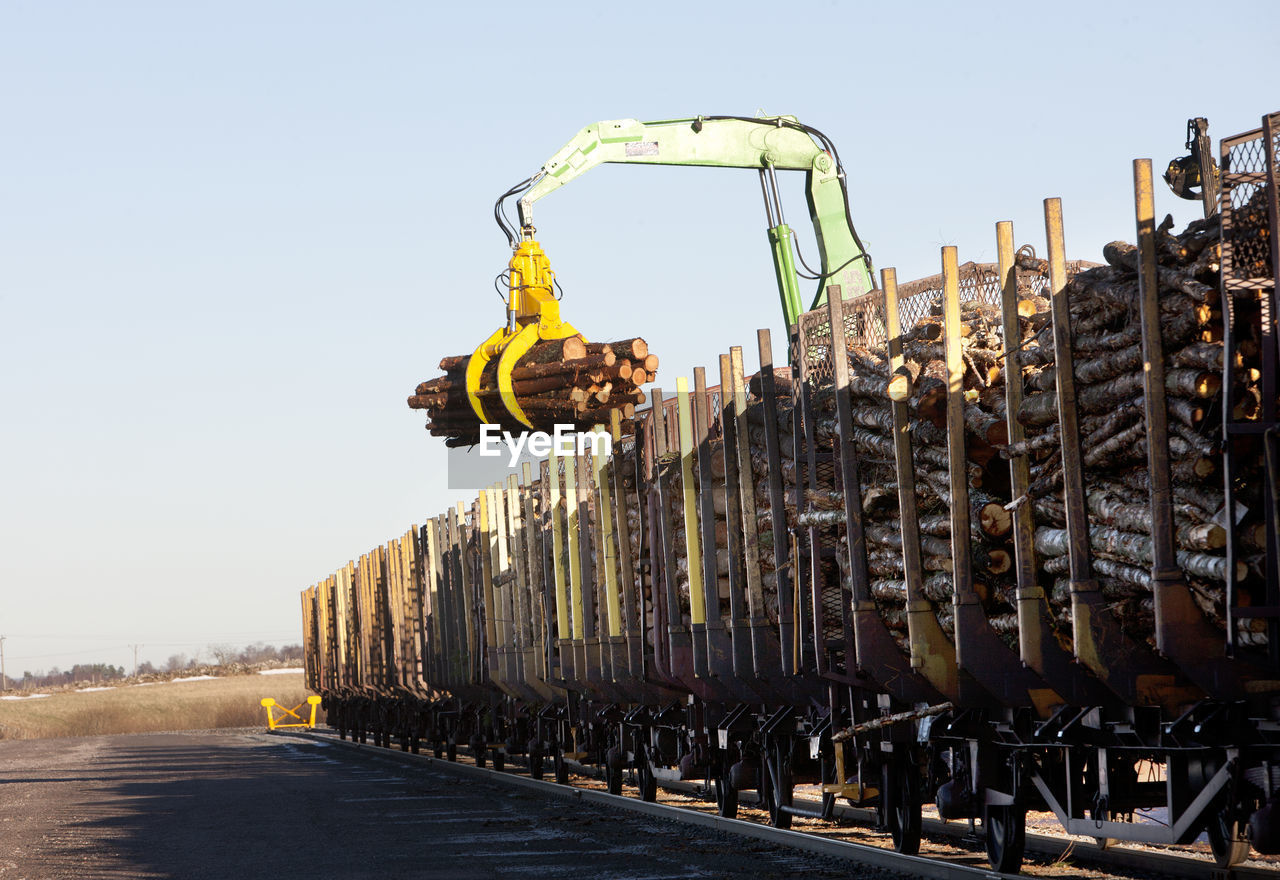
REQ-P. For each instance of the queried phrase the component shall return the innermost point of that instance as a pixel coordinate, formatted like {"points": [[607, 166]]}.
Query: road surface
{"points": [[222, 805]]}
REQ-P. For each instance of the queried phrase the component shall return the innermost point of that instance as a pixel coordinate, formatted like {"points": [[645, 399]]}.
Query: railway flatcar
{"points": [[1002, 539]]}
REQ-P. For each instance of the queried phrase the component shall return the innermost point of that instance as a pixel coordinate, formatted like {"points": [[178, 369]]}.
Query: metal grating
{"points": [[865, 318], [1250, 210], [1248, 204]]}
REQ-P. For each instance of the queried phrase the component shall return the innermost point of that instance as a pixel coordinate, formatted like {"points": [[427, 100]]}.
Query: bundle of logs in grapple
{"points": [[1107, 349], [563, 381]]}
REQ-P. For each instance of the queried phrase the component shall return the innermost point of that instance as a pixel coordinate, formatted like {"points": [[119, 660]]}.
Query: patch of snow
{"points": [[144, 684], [193, 678], [28, 697], [291, 671], [93, 690]]}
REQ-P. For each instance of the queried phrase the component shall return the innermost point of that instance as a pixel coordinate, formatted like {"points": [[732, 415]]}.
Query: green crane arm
{"points": [[766, 144]]}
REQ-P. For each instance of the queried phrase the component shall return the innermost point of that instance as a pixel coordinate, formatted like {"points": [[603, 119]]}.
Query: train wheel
{"points": [[726, 796], [900, 795], [1006, 828], [562, 768], [644, 776], [778, 785], [1226, 840]]}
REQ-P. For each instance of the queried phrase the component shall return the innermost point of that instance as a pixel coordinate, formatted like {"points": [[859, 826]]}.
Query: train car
{"points": [[1002, 539]]}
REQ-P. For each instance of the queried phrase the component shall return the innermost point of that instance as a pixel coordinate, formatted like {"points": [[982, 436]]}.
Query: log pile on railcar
{"points": [[1108, 368]]}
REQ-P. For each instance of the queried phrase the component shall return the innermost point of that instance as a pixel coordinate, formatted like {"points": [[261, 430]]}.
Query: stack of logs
{"points": [[563, 381], [1107, 348]]}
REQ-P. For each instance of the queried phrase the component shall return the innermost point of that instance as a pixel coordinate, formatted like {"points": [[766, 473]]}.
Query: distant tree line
{"points": [[91, 674]]}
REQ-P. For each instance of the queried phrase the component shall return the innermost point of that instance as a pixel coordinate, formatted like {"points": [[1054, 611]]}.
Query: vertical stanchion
{"points": [[1078, 555], [557, 548], [573, 529], [579, 561], [1181, 631], [805, 438], [957, 466], [395, 612], [488, 562], [1166, 577], [534, 657], [632, 603], [747, 495], [783, 571], [596, 558], [519, 584], [859, 585], [439, 537], [1030, 594], [470, 637], [434, 646], [606, 555], [931, 651], [692, 541], [677, 635], [734, 522], [502, 582], [721, 644]]}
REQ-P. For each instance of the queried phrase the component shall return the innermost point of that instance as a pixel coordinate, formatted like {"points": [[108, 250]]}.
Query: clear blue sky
{"points": [[234, 236]]}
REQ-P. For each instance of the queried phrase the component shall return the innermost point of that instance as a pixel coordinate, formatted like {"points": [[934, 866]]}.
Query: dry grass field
{"points": [[178, 705]]}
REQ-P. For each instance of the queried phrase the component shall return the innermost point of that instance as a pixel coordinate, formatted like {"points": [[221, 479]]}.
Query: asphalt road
{"points": [[241, 804]]}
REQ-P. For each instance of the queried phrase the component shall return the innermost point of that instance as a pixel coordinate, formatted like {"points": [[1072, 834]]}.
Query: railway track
{"points": [[950, 850]]}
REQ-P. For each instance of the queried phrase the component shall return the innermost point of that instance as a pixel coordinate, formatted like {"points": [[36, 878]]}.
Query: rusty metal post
{"points": [[931, 651], [1166, 577], [1079, 557], [1030, 594], [777, 504]]}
